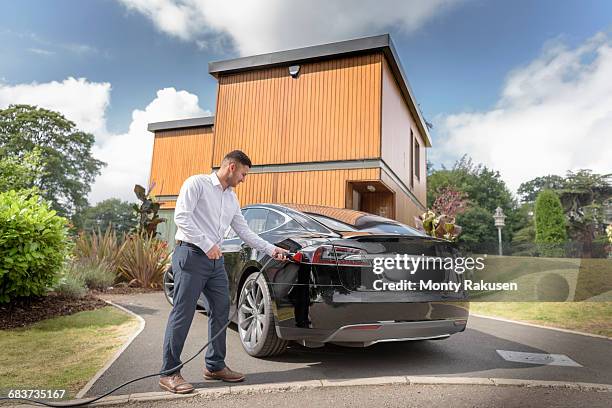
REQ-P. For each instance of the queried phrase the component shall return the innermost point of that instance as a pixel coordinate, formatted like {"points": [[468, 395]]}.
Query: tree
{"points": [[450, 202], [482, 185], [549, 223], [485, 191], [529, 190], [523, 240], [478, 230], [114, 212], [582, 196], [16, 174], [65, 153]]}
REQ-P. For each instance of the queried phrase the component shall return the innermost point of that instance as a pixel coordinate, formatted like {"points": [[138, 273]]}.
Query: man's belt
{"points": [[189, 244]]}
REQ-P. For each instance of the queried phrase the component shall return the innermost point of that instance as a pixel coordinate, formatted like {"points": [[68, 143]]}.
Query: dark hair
{"points": [[238, 156]]}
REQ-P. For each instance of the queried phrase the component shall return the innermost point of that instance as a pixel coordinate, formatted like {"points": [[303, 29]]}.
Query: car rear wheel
{"points": [[169, 291], [256, 324], [169, 285]]}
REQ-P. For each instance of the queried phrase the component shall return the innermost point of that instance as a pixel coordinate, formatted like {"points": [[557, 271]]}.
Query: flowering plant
{"points": [[438, 226]]}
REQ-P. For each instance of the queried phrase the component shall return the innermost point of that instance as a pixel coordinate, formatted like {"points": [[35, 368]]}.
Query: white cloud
{"points": [[553, 115], [128, 155], [40, 51], [47, 47], [81, 49], [264, 26], [79, 100]]}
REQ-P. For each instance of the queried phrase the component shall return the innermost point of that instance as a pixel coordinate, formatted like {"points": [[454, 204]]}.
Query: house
{"points": [[334, 124]]}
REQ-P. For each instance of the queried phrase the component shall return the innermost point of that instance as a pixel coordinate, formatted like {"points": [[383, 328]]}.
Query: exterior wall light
{"points": [[370, 188], [294, 71]]}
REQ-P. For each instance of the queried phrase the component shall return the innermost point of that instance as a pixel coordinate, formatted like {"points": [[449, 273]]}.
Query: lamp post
{"points": [[499, 218]]}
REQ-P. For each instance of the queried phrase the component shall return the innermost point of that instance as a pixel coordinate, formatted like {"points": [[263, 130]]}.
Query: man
{"points": [[205, 208]]}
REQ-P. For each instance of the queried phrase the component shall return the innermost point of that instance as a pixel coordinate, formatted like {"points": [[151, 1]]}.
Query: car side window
{"points": [[274, 220], [256, 219], [230, 233]]}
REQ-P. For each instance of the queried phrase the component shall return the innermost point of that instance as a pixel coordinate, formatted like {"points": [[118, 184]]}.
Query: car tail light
{"points": [[334, 254], [298, 257]]}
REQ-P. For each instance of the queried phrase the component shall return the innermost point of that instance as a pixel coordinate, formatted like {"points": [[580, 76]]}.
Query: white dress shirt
{"points": [[204, 211]]}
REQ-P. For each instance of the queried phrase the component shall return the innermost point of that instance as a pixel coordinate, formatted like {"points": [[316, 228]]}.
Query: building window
{"points": [[417, 160], [411, 158]]}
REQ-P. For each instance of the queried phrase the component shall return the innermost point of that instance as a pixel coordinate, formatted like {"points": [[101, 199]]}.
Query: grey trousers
{"points": [[194, 273]]}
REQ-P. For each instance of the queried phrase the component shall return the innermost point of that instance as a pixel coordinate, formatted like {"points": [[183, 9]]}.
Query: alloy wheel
{"points": [[252, 314], [169, 285]]}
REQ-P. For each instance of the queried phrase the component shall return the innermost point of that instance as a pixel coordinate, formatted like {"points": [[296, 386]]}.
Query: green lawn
{"points": [[576, 280], [546, 279], [587, 317], [64, 352]]}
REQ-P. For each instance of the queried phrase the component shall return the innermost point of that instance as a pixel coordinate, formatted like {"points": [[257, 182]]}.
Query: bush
{"points": [[94, 276], [550, 234], [97, 248], [144, 260], [33, 245], [70, 285]]}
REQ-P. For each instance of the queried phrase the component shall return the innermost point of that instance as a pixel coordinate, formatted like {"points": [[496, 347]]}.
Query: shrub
{"points": [[144, 260], [93, 249], [550, 233], [33, 245], [94, 276], [70, 285]]}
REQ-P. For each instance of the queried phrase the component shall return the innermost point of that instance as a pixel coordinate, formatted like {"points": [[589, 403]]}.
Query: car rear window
{"points": [[303, 222], [332, 223], [393, 228], [374, 224]]}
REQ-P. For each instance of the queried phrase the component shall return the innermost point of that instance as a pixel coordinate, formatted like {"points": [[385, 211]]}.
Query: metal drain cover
{"points": [[538, 358]]}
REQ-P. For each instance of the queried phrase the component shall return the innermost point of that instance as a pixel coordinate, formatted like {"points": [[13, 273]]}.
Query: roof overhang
{"points": [[181, 123], [329, 51]]}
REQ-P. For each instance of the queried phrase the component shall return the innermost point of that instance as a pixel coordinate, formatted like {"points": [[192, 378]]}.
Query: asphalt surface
{"points": [[468, 354]]}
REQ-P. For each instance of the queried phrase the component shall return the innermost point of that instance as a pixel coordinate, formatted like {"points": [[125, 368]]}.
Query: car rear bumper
{"points": [[371, 333], [366, 323]]}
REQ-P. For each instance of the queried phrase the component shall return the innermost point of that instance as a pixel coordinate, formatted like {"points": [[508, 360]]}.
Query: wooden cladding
{"points": [[331, 111], [339, 109], [178, 154], [325, 187]]}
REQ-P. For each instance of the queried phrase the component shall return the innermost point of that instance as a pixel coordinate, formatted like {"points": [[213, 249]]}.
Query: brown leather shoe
{"points": [[175, 383], [225, 374]]}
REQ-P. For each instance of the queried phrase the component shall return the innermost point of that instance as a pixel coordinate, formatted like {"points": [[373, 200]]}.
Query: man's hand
{"points": [[279, 254], [214, 252]]}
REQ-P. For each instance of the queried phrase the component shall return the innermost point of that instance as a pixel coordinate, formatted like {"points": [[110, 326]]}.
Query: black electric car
{"points": [[331, 291]]}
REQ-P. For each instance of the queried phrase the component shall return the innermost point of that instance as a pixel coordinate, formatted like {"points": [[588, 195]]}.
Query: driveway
{"points": [[473, 353]]}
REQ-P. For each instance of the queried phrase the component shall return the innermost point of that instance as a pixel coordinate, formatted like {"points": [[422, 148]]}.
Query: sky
{"points": [[523, 87]]}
